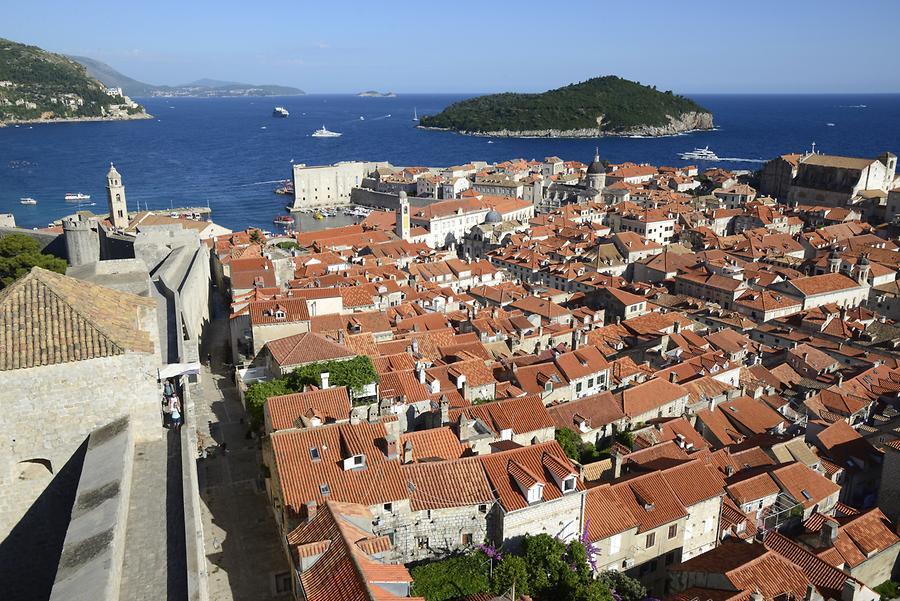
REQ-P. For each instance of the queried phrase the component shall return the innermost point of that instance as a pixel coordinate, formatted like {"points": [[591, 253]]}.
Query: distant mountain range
{"points": [[202, 87]]}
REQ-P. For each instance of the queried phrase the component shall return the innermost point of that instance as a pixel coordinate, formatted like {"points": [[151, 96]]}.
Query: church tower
{"points": [[596, 173], [115, 198], [402, 227]]}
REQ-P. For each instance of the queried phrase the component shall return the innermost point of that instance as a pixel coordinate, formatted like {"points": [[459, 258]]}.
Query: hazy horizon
{"points": [[767, 47]]}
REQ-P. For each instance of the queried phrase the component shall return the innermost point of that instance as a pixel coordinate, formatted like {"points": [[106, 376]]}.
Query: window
{"points": [[482, 509], [673, 530], [388, 507], [314, 454], [651, 540], [578, 387], [359, 460], [548, 387], [569, 484], [466, 538], [422, 542], [324, 490], [590, 382], [282, 582], [615, 544]]}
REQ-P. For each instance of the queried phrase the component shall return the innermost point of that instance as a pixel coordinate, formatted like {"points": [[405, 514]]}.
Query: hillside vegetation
{"points": [[610, 104], [36, 84]]}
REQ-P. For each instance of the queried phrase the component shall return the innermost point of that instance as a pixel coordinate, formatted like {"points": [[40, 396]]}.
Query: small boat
{"points": [[830, 124], [280, 111], [284, 220], [27, 201], [361, 118], [318, 215], [415, 114], [76, 197], [324, 133]]}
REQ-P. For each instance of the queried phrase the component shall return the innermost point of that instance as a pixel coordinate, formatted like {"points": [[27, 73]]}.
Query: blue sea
{"points": [[229, 153]]}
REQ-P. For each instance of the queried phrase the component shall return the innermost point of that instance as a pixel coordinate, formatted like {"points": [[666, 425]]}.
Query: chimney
{"points": [[392, 437], [756, 596], [851, 589], [324, 377], [828, 533], [341, 336], [407, 452], [354, 418], [676, 327], [729, 470], [311, 510], [617, 464], [420, 372], [673, 377]]}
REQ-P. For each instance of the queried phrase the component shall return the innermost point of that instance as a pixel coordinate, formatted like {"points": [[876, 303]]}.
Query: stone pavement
{"points": [[243, 546], [155, 562]]}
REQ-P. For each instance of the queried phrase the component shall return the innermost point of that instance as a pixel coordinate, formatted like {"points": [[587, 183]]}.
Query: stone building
{"points": [[115, 198], [90, 355], [329, 185], [833, 181]]}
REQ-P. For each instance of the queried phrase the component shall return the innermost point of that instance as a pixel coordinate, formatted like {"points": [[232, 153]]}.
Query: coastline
{"points": [[139, 117]]}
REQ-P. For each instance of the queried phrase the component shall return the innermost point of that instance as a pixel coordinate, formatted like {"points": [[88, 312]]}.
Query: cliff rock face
{"points": [[691, 121]]}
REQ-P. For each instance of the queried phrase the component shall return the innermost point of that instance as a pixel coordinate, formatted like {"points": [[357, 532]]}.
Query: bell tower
{"points": [[402, 225], [115, 198]]}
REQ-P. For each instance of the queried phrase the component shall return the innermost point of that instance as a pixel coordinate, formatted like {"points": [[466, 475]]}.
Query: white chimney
{"points": [[324, 376]]}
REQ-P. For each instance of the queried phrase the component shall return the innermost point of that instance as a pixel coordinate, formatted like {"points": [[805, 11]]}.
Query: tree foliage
{"points": [[354, 374], [451, 578], [576, 449], [19, 253], [625, 588], [622, 104]]}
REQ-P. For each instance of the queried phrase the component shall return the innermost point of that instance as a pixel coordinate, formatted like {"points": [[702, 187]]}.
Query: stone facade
{"points": [[48, 411], [560, 518]]}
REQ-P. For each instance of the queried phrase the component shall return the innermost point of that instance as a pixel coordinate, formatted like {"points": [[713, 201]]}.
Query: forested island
{"points": [[602, 106], [40, 86]]}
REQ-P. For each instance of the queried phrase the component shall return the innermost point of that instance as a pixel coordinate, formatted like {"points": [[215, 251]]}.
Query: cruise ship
{"points": [[699, 154], [280, 111], [76, 197], [324, 133]]}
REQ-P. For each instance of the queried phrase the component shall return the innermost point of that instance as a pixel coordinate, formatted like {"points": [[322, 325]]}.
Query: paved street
{"points": [[243, 546]]}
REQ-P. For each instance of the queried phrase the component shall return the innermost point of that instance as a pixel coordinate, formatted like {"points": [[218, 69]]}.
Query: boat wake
{"points": [[380, 118], [740, 160], [271, 181]]}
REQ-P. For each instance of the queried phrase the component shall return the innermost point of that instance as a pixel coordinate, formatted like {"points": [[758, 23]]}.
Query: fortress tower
{"points": [[115, 198], [402, 227], [82, 240]]}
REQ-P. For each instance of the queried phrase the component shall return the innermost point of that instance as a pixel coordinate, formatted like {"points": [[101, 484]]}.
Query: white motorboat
{"points": [[280, 111], [27, 201], [76, 197], [699, 154], [324, 133]]}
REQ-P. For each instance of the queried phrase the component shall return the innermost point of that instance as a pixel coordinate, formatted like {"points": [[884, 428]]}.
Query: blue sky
{"points": [[765, 46]]}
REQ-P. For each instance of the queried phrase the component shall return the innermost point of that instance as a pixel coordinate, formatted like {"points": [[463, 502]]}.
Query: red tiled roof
{"points": [[329, 405], [307, 347]]}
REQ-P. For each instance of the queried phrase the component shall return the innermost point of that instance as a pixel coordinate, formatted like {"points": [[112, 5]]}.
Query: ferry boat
{"points": [[76, 197], [324, 133], [699, 154], [27, 201], [284, 220], [280, 111]]}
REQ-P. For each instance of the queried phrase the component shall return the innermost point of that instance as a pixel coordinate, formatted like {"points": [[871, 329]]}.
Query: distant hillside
{"points": [[601, 106], [201, 87], [36, 85], [376, 94]]}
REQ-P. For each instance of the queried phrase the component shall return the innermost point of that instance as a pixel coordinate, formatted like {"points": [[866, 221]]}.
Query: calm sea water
{"points": [[230, 152]]}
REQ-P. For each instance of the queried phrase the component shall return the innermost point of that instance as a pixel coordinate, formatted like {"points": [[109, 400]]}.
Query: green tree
{"points": [[451, 578], [19, 253], [544, 556], [512, 570], [625, 438], [354, 374], [257, 394], [570, 443], [627, 588]]}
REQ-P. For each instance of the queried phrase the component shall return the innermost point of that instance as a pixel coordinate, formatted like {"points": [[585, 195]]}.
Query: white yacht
{"points": [[699, 154], [324, 133], [76, 197], [27, 201], [280, 111]]}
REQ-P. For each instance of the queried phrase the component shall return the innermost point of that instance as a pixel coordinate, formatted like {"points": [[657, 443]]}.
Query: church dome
{"points": [[596, 166], [493, 217]]}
